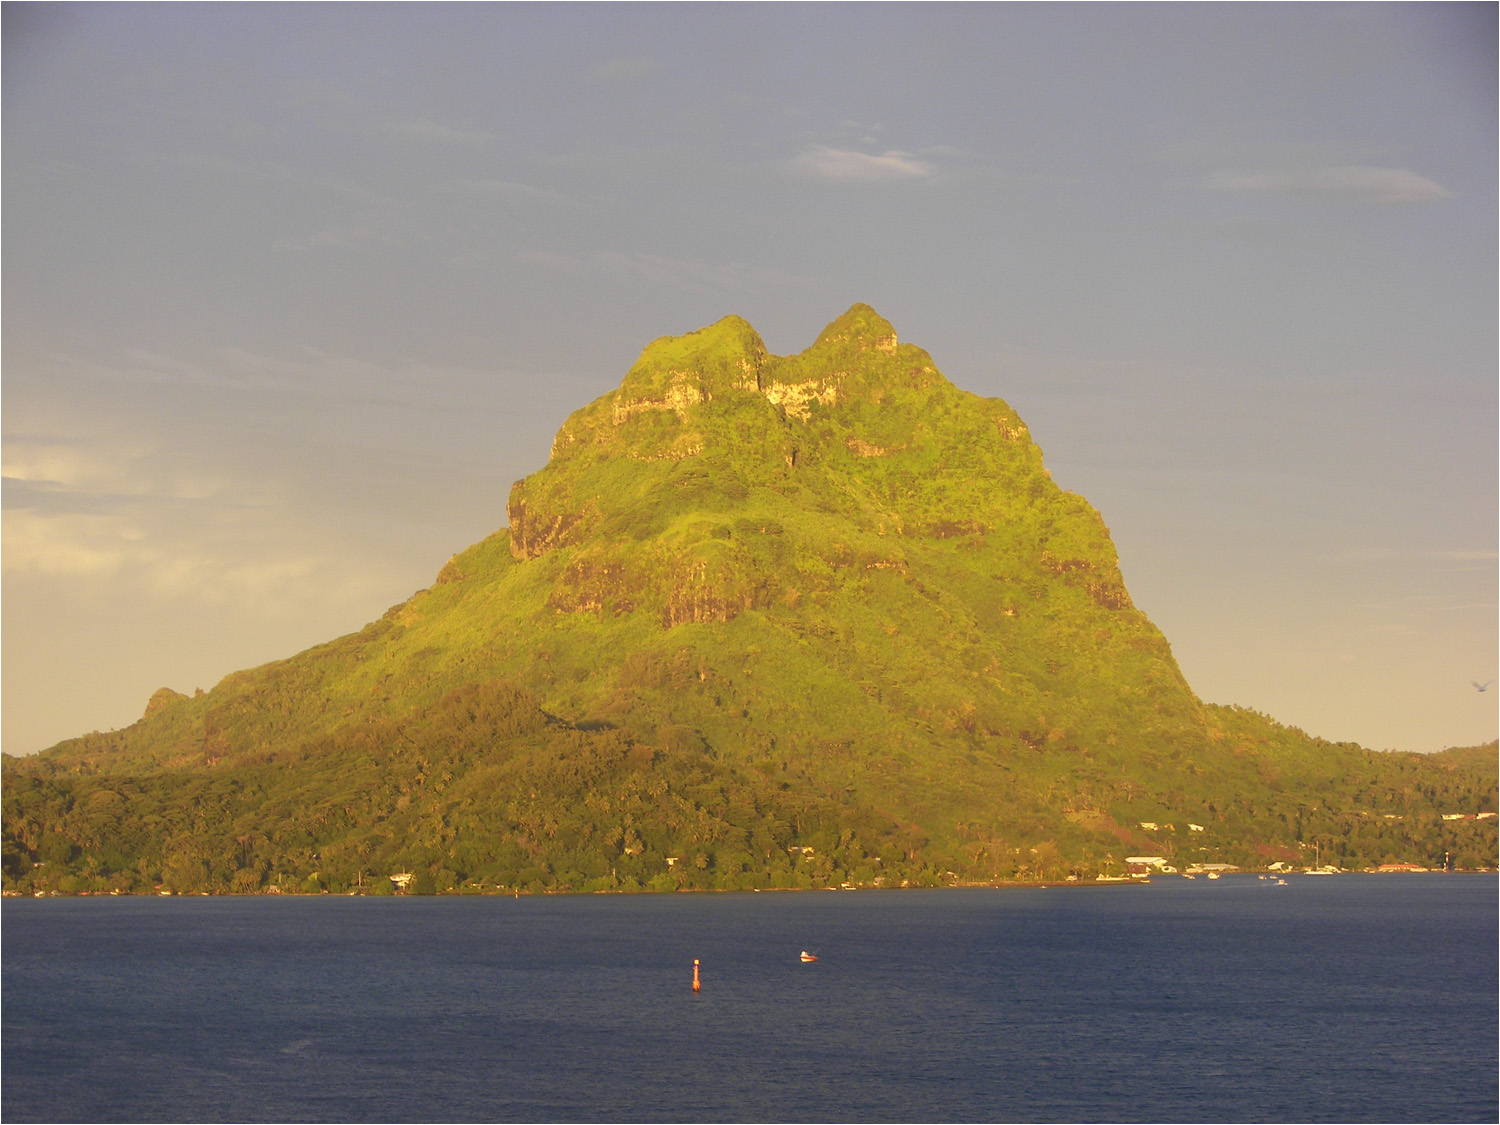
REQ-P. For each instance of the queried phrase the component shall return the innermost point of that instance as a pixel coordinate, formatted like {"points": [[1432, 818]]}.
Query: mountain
{"points": [[760, 621]]}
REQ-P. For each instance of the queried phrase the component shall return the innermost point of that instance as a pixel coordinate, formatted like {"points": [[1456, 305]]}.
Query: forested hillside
{"points": [[760, 621]]}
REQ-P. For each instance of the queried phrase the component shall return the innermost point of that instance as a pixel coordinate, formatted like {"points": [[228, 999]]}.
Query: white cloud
{"points": [[421, 129], [102, 470], [216, 560], [848, 166], [58, 463], [102, 508], [1364, 183], [70, 545]]}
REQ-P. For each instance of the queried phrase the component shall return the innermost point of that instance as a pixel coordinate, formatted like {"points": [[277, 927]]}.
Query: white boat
{"points": [[806, 956], [1318, 867]]}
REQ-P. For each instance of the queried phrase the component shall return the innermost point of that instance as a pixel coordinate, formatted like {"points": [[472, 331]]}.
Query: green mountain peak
{"points": [[715, 403], [754, 609], [722, 356], [861, 326]]}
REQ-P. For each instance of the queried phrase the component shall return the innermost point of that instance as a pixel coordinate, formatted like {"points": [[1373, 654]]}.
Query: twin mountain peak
{"points": [[859, 428]]}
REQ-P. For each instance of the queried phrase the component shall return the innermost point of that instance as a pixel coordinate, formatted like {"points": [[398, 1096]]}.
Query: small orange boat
{"points": [[806, 956]]}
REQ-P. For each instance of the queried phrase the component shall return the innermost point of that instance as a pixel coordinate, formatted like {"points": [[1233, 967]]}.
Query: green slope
{"points": [[830, 593]]}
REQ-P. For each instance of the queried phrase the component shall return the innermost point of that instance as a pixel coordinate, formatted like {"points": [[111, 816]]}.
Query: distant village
{"points": [[1144, 866], [1137, 869]]}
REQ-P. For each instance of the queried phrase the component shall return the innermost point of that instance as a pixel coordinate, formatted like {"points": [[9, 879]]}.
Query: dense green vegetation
{"points": [[784, 621]]}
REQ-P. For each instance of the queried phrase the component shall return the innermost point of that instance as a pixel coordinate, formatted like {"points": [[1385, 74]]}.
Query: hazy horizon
{"points": [[294, 293]]}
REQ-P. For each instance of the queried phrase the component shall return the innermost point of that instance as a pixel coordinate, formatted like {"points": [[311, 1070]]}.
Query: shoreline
{"points": [[9, 893]]}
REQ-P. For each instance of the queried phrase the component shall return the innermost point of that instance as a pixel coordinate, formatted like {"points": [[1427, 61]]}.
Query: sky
{"points": [[293, 293]]}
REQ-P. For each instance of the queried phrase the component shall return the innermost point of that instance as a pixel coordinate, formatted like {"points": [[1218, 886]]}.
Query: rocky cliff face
{"points": [[710, 424]]}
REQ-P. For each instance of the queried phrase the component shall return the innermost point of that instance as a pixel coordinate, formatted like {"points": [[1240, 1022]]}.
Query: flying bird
{"points": [[1481, 686]]}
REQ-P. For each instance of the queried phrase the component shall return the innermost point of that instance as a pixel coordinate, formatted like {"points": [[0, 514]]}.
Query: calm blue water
{"points": [[1338, 999]]}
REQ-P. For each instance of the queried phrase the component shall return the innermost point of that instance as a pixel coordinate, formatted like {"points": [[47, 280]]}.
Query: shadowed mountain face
{"points": [[775, 598]]}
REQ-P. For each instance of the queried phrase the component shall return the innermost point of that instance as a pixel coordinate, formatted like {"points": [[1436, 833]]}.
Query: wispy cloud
{"points": [[696, 272], [132, 469], [547, 259], [952, 152], [146, 550], [287, 175], [84, 444], [1245, 231], [108, 508], [348, 238], [1434, 554], [491, 189], [435, 132], [663, 270], [626, 70], [168, 521], [851, 166], [1360, 182]]}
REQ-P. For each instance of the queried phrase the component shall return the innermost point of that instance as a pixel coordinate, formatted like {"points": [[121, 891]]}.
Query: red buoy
{"points": [[697, 985]]}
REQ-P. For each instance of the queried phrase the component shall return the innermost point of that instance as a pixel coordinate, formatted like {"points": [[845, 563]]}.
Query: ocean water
{"points": [[1353, 998]]}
